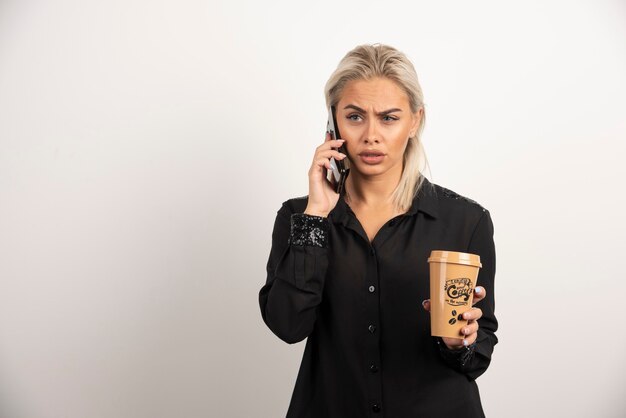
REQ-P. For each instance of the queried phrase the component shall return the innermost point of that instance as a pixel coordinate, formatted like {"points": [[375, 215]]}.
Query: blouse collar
{"points": [[425, 201]]}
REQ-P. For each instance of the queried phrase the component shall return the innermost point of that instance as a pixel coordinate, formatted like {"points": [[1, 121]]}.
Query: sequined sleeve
{"points": [[309, 230]]}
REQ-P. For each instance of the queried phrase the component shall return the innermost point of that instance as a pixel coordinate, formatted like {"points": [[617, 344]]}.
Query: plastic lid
{"points": [[443, 256]]}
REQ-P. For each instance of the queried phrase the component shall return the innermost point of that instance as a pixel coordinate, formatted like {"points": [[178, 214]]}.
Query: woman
{"points": [[350, 271]]}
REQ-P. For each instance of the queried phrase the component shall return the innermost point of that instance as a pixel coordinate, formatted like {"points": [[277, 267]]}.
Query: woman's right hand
{"points": [[322, 196]]}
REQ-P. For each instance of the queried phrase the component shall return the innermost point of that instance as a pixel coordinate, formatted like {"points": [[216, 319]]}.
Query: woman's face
{"points": [[375, 119]]}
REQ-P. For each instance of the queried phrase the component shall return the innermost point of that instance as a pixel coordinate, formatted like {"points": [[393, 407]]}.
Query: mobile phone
{"points": [[338, 172]]}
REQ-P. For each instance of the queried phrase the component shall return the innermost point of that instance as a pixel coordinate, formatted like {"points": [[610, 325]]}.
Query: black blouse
{"points": [[369, 352]]}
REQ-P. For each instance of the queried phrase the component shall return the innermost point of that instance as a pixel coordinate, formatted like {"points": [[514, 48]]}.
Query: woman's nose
{"points": [[371, 135]]}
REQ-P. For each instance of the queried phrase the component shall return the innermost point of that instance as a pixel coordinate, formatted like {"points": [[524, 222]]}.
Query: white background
{"points": [[145, 147]]}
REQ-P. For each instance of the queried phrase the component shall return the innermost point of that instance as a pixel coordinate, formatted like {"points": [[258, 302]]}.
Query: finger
{"points": [[470, 339], [331, 143], [325, 159], [473, 314], [464, 340], [331, 153], [334, 145], [322, 163], [426, 304], [468, 334], [469, 329], [479, 294]]}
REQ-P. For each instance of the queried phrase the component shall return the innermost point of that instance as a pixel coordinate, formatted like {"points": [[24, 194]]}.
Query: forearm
{"points": [[476, 360], [295, 276]]}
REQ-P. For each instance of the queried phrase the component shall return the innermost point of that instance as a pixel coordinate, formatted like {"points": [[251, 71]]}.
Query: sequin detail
{"points": [[309, 230], [453, 195], [461, 356]]}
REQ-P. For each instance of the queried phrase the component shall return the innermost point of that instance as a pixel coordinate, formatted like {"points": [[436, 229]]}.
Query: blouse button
{"points": [[372, 328], [373, 368], [372, 251], [376, 408], [392, 222], [371, 289]]}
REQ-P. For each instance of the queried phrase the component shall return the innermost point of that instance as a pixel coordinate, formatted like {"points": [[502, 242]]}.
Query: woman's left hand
{"points": [[469, 331]]}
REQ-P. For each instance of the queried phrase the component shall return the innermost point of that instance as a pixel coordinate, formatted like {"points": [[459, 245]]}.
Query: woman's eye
{"points": [[354, 117], [388, 118]]}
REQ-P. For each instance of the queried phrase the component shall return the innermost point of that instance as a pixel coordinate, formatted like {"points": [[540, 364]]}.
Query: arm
{"points": [[296, 269], [474, 360]]}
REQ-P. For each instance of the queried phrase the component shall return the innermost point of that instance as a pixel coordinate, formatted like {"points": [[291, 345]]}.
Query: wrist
{"points": [[315, 212], [459, 357]]}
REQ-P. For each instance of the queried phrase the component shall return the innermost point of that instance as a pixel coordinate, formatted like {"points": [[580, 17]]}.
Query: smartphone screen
{"points": [[338, 173]]}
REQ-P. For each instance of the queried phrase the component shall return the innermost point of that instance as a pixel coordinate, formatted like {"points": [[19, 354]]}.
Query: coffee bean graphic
{"points": [[452, 320]]}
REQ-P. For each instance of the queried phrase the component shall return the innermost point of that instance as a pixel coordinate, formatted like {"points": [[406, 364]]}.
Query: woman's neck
{"points": [[371, 192]]}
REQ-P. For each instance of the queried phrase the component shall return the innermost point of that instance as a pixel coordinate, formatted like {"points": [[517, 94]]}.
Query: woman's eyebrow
{"points": [[383, 113]]}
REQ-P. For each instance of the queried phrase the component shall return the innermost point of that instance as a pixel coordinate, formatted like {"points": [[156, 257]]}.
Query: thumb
{"points": [[479, 294], [426, 304]]}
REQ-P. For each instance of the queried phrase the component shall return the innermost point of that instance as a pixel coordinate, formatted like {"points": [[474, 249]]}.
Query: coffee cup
{"points": [[453, 278]]}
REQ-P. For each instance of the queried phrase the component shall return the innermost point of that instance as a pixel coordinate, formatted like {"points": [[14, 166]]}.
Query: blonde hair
{"points": [[369, 61]]}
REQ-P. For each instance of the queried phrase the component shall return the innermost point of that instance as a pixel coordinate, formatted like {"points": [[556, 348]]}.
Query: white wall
{"points": [[145, 147]]}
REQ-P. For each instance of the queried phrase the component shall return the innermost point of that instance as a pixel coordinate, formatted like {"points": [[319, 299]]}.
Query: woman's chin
{"points": [[370, 170]]}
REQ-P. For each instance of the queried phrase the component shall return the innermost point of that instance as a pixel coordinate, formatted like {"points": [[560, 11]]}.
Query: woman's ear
{"points": [[417, 120]]}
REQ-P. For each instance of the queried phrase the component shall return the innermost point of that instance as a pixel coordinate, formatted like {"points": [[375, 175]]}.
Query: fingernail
{"points": [[479, 290], [465, 342], [424, 302]]}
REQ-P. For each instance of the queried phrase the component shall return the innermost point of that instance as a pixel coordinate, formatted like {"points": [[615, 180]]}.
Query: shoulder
{"points": [[295, 204], [452, 202]]}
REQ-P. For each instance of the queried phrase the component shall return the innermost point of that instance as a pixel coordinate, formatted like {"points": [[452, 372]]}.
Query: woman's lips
{"points": [[372, 158]]}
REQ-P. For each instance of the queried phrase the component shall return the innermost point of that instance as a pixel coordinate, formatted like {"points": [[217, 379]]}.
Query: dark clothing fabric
{"points": [[369, 352]]}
